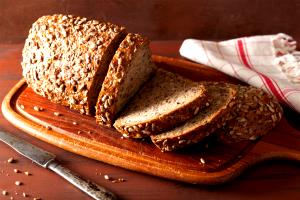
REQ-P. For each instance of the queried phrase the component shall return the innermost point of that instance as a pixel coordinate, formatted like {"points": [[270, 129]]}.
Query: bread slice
{"points": [[255, 114], [222, 97], [130, 68], [65, 58], [165, 101]]}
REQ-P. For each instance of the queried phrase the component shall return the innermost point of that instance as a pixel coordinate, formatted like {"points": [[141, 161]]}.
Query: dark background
{"points": [[161, 19]]}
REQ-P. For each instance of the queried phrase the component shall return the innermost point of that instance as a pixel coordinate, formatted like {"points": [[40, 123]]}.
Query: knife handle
{"points": [[90, 188]]}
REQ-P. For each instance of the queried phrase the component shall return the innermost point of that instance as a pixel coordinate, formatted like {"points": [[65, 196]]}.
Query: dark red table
{"points": [[272, 180]]}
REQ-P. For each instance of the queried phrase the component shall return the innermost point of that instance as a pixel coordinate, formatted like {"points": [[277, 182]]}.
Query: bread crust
{"points": [[65, 59], [255, 114], [169, 142], [106, 109], [165, 122]]}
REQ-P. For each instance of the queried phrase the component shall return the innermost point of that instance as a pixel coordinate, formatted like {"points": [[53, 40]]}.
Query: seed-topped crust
{"points": [[255, 114], [223, 99], [123, 70], [65, 58], [164, 102]]}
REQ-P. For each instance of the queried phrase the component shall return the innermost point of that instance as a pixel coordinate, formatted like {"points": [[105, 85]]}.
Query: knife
{"points": [[47, 160]]}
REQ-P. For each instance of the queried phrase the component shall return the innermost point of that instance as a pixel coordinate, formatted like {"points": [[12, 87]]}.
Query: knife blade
{"points": [[47, 160]]}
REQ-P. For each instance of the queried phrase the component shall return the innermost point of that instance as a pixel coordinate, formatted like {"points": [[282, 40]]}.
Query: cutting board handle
{"points": [[280, 144]]}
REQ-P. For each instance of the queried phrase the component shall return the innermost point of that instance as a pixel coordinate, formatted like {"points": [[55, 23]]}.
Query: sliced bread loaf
{"points": [[255, 114], [65, 58], [130, 67], [164, 102], [222, 99]]}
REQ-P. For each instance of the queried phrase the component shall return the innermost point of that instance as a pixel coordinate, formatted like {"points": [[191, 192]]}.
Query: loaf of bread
{"points": [[255, 114], [65, 58], [130, 68], [165, 101], [74, 61], [222, 100]]}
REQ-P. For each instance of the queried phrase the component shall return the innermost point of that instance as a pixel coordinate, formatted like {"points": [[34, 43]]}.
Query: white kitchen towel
{"points": [[270, 62]]}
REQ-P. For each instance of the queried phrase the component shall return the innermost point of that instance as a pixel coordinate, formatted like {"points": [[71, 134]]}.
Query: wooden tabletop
{"points": [[272, 180]]}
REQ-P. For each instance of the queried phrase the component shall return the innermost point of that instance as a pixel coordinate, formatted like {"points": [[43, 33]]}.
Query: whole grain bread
{"points": [[129, 69], [254, 115], [65, 58], [222, 100], [165, 101]]}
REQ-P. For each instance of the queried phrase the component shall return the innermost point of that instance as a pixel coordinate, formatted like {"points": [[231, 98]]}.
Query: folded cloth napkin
{"points": [[270, 62]]}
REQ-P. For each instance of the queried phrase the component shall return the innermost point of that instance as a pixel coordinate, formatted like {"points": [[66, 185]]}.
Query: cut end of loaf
{"points": [[164, 102], [130, 68]]}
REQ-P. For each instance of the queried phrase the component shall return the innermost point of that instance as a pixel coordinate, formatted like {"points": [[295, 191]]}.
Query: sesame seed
{"points": [[202, 160], [36, 108], [22, 106], [37, 198], [181, 141], [196, 110], [11, 160], [253, 137], [27, 173], [119, 180], [57, 114], [16, 171], [18, 183], [79, 132], [75, 123], [24, 194], [48, 127], [106, 177], [4, 192]]}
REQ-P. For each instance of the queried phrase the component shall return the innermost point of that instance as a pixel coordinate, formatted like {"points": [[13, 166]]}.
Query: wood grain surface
{"points": [[272, 180], [161, 19]]}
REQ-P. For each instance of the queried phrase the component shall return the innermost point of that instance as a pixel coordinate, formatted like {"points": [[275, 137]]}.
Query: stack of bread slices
{"points": [[97, 68]]}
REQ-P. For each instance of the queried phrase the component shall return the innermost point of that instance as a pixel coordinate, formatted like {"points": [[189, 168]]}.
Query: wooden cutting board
{"points": [[81, 135]]}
